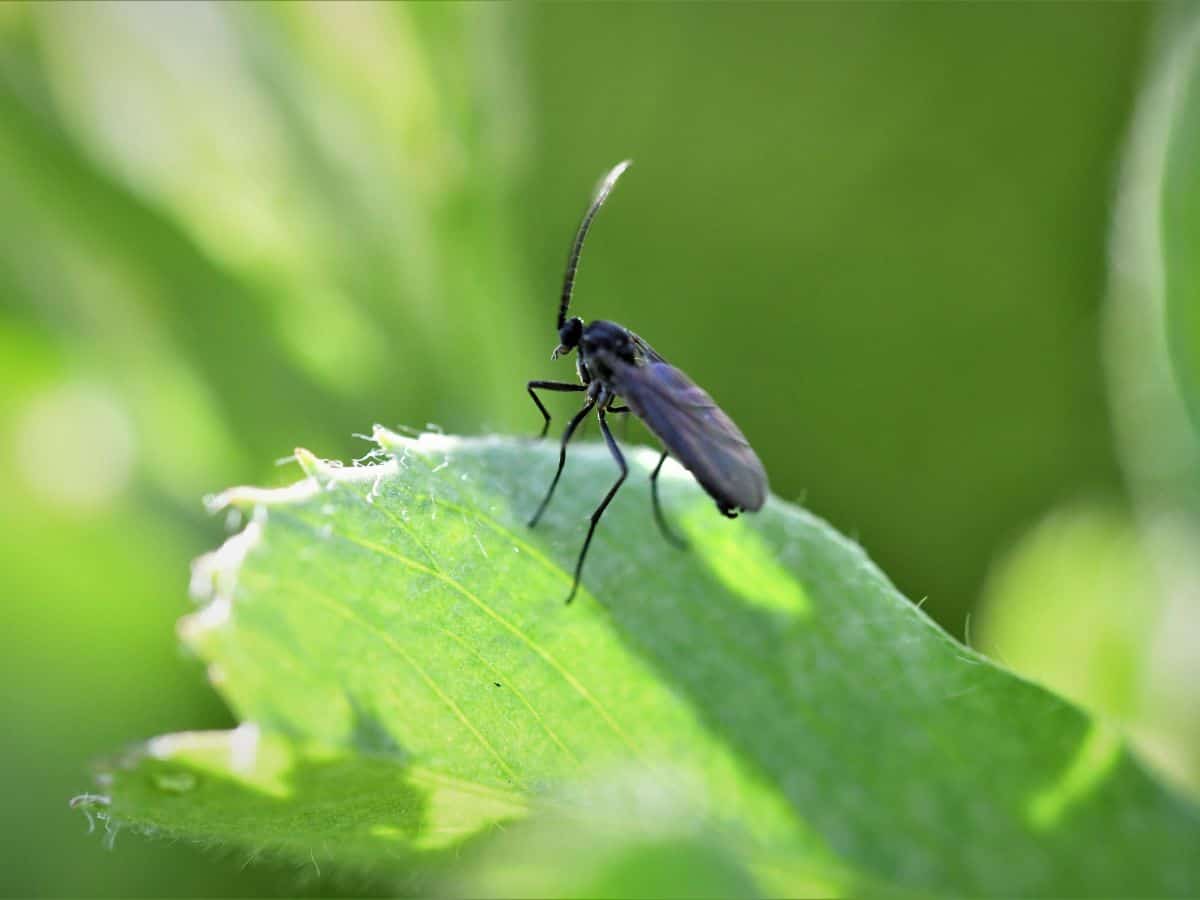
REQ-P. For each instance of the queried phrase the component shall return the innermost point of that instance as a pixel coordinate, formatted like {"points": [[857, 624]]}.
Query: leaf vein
{"points": [[533, 645], [343, 610], [407, 529]]}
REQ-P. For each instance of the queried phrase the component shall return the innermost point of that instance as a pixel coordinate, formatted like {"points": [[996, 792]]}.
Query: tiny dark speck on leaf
{"points": [[496, 683]]}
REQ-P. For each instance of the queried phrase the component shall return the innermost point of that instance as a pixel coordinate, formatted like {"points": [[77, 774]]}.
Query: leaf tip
{"points": [[311, 464]]}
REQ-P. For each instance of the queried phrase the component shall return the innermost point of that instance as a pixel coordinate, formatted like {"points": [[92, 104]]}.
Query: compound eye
{"points": [[571, 331]]}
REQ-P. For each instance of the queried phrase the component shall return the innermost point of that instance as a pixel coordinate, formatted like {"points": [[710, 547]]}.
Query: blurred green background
{"points": [[880, 235]]}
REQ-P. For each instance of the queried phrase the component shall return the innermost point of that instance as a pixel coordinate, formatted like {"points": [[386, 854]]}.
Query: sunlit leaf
{"points": [[396, 639]]}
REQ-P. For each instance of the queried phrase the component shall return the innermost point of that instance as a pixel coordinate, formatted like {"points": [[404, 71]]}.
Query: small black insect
{"points": [[615, 364]]}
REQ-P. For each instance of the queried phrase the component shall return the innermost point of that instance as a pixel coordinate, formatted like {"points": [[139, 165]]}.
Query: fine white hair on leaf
{"points": [[394, 442], [374, 492], [93, 807], [329, 473], [86, 800], [111, 829]]}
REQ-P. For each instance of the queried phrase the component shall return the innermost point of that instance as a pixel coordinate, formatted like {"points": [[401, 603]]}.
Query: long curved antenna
{"points": [[601, 195]]}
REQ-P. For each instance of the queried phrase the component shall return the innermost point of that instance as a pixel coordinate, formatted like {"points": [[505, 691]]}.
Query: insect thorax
{"points": [[603, 343]]}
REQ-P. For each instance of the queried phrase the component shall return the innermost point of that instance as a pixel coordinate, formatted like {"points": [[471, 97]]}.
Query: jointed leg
{"points": [[624, 422], [658, 516], [562, 455], [563, 386], [616, 452]]}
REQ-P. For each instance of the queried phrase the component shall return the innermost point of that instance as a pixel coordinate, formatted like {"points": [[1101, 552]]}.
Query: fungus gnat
{"points": [[615, 364]]}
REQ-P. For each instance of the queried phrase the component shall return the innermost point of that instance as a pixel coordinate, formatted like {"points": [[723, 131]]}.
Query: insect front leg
{"points": [[616, 453], [658, 515], [562, 456], [562, 386]]}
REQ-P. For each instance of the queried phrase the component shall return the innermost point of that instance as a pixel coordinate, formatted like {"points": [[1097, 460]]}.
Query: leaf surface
{"points": [[398, 639]]}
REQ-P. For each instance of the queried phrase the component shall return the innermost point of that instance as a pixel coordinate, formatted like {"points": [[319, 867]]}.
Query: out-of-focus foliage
{"points": [[226, 229], [1161, 454], [770, 684], [1073, 606], [876, 233], [1180, 217], [1100, 604]]}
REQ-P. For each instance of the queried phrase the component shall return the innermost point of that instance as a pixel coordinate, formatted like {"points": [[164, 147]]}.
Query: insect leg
{"points": [[624, 422], [562, 456], [658, 516], [616, 452], [563, 386]]}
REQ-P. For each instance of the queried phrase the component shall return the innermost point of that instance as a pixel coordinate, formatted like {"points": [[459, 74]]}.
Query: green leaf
{"points": [[397, 637], [1151, 357], [1082, 562]]}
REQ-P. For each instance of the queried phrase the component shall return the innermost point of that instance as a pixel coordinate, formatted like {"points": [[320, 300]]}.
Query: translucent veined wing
{"points": [[647, 353], [694, 430]]}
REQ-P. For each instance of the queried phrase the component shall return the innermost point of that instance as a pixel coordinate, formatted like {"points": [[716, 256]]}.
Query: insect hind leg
{"points": [[671, 537], [620, 460]]}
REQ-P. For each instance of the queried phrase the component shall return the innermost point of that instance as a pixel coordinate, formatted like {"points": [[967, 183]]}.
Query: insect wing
{"points": [[696, 431], [648, 354]]}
